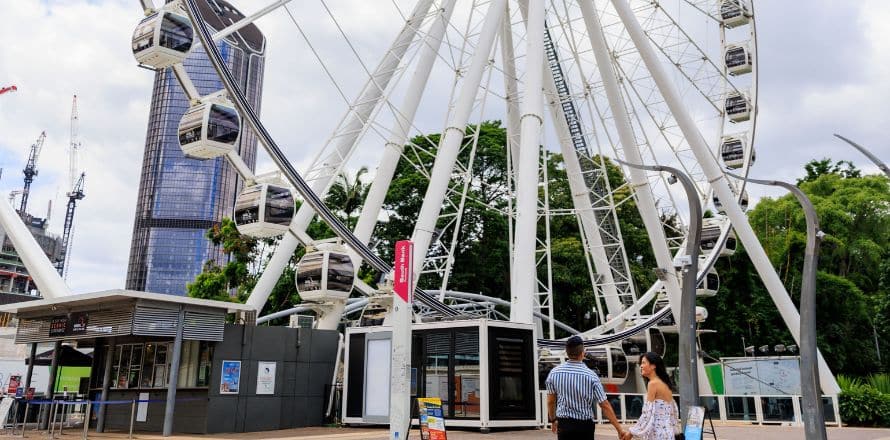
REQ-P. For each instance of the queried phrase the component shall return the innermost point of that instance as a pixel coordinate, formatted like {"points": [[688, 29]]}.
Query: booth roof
{"points": [[119, 295]]}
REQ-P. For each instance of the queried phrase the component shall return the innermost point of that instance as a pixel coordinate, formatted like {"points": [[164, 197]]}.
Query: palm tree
{"points": [[348, 194]]}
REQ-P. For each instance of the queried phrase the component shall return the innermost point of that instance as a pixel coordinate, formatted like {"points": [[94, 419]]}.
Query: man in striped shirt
{"points": [[573, 391]]}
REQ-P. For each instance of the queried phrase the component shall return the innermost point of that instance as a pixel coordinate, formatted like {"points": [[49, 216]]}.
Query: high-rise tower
{"points": [[181, 198]]}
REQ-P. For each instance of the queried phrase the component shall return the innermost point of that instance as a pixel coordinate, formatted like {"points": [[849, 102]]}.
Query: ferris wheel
{"points": [[645, 82]]}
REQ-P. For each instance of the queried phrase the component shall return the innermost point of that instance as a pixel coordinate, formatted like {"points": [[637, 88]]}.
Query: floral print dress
{"points": [[657, 422]]}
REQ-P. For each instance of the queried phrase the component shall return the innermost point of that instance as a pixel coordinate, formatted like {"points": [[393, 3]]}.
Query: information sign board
{"points": [[431, 417], [230, 379]]}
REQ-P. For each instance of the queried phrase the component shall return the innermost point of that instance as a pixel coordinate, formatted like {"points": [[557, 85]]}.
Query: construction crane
{"points": [[75, 193], [30, 171], [8, 89]]}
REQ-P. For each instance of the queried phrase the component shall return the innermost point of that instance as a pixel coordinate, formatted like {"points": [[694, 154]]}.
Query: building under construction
{"points": [[14, 278]]}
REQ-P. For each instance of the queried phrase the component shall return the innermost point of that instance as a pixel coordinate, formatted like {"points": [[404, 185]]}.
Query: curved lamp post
{"points": [[812, 411], [688, 351], [867, 154]]}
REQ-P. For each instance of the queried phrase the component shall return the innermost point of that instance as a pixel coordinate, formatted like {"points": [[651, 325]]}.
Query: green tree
{"points": [[854, 214]]}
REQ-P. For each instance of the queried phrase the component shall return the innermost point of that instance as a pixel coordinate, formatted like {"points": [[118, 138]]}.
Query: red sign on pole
{"points": [[403, 284]]}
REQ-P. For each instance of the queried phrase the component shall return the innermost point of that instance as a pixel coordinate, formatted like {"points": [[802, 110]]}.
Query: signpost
{"points": [[400, 365]]}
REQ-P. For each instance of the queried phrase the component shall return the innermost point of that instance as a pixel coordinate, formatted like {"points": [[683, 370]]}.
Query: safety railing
{"points": [[54, 416], [754, 409]]}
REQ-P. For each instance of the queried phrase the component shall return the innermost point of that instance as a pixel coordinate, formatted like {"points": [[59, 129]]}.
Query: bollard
{"points": [[86, 420], [132, 417], [25, 420]]}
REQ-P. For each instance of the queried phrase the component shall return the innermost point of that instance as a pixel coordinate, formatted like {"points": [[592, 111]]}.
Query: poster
{"points": [[14, 382], [265, 378], [142, 408], [694, 423], [230, 378], [432, 420]]}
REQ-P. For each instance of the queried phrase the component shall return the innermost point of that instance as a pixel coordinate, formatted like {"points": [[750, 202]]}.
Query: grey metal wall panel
{"points": [[155, 321], [204, 325], [102, 324]]}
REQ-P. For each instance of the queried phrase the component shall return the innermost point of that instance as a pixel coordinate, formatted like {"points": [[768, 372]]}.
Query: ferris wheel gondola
{"points": [[209, 130], [325, 274], [162, 39], [264, 210]]}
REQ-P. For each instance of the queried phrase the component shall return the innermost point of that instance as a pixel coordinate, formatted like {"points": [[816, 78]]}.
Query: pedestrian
{"points": [[573, 390], [659, 418]]}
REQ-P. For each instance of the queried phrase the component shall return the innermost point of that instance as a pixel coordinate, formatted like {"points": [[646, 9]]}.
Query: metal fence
{"points": [[754, 409]]}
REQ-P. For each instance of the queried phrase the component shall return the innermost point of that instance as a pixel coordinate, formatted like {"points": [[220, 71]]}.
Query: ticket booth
{"points": [[484, 372]]}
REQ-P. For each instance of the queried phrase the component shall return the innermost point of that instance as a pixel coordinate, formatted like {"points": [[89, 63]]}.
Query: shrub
{"points": [[880, 382], [848, 383], [864, 406]]}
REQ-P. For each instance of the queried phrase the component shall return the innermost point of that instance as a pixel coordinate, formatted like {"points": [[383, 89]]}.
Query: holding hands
{"points": [[625, 435]]}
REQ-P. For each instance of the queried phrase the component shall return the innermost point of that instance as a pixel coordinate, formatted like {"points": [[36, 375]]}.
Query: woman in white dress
{"points": [[659, 418]]}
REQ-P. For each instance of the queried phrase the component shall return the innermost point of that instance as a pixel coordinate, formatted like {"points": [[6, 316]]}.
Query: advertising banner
{"points": [[14, 382], [432, 420], [230, 379], [404, 267], [265, 378]]}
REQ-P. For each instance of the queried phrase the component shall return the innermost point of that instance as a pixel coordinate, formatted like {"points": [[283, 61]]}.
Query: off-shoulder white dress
{"points": [[657, 422]]}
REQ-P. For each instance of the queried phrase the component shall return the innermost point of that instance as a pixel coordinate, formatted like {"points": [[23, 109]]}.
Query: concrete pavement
{"points": [[603, 432]]}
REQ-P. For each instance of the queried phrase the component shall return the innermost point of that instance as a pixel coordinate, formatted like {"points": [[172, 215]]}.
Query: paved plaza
{"points": [[604, 432]]}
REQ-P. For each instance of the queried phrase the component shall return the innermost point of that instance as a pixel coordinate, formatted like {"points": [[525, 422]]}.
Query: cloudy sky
{"points": [[823, 70]]}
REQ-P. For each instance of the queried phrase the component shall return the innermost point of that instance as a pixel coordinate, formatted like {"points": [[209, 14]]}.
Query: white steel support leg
{"points": [[404, 119], [357, 118], [721, 187], [581, 202], [638, 180], [453, 136], [49, 282], [524, 276], [510, 87]]}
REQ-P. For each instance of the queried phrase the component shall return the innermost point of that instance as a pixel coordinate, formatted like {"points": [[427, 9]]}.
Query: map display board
{"points": [[762, 375]]}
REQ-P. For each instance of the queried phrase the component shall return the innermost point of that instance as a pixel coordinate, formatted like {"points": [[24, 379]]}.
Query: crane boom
{"points": [[8, 89], [31, 170], [74, 145], [73, 196]]}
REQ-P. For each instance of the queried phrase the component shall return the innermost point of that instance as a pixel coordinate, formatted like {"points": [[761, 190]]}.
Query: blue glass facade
{"points": [[181, 198]]}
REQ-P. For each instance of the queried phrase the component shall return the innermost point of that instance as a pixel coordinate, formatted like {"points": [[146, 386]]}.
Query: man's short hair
{"points": [[574, 346]]}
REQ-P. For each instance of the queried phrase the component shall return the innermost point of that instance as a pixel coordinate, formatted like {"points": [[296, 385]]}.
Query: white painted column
{"points": [[637, 177], [404, 119], [357, 117], [50, 284], [453, 136], [721, 188], [523, 277]]}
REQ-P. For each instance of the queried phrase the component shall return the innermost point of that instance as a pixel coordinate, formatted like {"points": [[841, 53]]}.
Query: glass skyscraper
{"points": [[181, 198]]}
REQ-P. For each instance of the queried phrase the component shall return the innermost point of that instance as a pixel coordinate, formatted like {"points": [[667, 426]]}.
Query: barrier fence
{"points": [[755, 409], [56, 414]]}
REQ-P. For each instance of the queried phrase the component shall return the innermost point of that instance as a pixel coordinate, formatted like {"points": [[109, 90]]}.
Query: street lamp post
{"points": [[689, 395], [867, 154], [813, 415]]}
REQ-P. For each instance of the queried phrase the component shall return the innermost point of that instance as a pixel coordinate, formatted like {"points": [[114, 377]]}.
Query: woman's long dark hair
{"points": [[660, 369]]}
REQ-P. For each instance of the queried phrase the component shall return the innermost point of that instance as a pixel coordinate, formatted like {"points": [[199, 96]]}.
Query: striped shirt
{"points": [[577, 390]]}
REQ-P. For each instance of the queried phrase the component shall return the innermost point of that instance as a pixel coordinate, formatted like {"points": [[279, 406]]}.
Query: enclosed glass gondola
{"points": [[738, 59], [610, 363], [732, 151], [264, 210], [709, 285], [668, 322], [734, 13], [743, 203], [162, 39], [650, 340], [325, 275], [209, 130], [738, 107], [710, 236]]}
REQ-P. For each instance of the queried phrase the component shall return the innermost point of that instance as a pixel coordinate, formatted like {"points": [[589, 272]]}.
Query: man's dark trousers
{"points": [[574, 429]]}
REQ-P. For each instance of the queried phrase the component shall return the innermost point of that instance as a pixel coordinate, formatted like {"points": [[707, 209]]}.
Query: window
{"points": [[148, 365]]}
